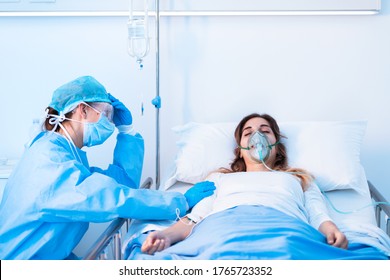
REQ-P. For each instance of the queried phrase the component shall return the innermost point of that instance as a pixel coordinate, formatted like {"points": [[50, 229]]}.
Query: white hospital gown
{"points": [[279, 190]]}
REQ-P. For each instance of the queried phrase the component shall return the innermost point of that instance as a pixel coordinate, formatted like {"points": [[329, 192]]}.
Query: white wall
{"points": [[39, 54], [212, 69], [294, 68]]}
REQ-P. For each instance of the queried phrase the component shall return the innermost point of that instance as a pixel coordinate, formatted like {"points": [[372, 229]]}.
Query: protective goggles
{"points": [[103, 108]]}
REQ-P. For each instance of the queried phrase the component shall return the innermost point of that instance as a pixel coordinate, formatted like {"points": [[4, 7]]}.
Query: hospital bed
{"points": [[354, 203]]}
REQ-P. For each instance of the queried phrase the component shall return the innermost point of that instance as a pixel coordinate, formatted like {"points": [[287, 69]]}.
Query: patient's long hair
{"points": [[281, 160]]}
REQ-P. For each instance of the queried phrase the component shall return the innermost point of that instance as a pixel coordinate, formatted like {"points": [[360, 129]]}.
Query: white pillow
{"points": [[329, 150]]}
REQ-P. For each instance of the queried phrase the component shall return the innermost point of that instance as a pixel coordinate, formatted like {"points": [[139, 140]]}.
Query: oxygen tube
{"points": [[377, 203]]}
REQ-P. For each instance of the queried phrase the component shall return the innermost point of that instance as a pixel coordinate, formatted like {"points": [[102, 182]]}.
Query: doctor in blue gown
{"points": [[53, 193]]}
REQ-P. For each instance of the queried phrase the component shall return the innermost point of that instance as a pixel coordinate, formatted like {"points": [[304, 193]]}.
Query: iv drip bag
{"points": [[138, 34]]}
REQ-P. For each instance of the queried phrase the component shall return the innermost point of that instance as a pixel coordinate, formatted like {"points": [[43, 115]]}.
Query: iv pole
{"points": [[157, 100]]}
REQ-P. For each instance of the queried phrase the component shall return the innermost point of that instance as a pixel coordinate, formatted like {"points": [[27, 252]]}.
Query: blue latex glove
{"points": [[198, 192], [122, 115]]}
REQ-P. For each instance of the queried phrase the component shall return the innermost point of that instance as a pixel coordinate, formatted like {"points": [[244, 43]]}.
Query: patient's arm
{"points": [[315, 206], [160, 240], [320, 219], [333, 235]]}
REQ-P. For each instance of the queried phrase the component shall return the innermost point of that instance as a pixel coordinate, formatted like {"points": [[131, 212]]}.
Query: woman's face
{"points": [[252, 125]]}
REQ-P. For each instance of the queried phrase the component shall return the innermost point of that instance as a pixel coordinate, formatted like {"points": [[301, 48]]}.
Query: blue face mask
{"points": [[98, 132]]}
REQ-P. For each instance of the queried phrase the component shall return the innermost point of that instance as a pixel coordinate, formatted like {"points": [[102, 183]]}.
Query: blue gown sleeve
{"points": [[99, 198], [74, 193], [128, 160]]}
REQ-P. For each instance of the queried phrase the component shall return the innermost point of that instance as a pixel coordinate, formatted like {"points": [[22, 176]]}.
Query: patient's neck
{"points": [[256, 167]]}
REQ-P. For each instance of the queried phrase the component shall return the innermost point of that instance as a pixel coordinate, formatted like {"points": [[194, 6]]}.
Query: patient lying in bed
{"points": [[256, 213], [269, 221]]}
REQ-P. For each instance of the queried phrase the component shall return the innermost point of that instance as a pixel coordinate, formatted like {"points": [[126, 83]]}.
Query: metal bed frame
{"points": [[382, 211], [112, 236]]}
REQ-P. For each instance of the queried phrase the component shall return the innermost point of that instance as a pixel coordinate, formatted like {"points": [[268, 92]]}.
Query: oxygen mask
{"points": [[259, 147]]}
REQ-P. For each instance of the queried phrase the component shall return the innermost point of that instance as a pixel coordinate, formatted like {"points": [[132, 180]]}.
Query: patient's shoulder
{"points": [[213, 176]]}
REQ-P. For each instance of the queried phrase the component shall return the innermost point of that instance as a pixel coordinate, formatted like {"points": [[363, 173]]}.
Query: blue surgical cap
{"points": [[82, 89]]}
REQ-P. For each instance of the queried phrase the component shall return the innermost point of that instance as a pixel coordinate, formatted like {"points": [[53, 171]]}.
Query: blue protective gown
{"points": [[51, 197]]}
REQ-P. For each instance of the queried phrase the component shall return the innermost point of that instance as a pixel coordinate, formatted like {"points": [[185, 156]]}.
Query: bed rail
{"points": [[382, 211], [112, 236]]}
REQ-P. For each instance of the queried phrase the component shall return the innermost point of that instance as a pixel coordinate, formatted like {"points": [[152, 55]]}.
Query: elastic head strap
{"points": [[244, 148], [273, 145], [248, 148]]}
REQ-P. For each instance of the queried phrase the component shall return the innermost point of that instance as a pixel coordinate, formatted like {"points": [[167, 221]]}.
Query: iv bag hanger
{"points": [[138, 47], [138, 33], [157, 100]]}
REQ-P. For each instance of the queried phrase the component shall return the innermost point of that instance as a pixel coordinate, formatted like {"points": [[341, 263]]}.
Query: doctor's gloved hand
{"points": [[198, 192], [122, 115]]}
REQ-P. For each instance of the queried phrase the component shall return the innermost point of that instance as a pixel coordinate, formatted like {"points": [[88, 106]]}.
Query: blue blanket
{"points": [[253, 232]]}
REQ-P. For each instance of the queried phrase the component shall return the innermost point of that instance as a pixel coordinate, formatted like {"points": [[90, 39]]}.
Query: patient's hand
{"points": [[155, 242], [333, 235]]}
